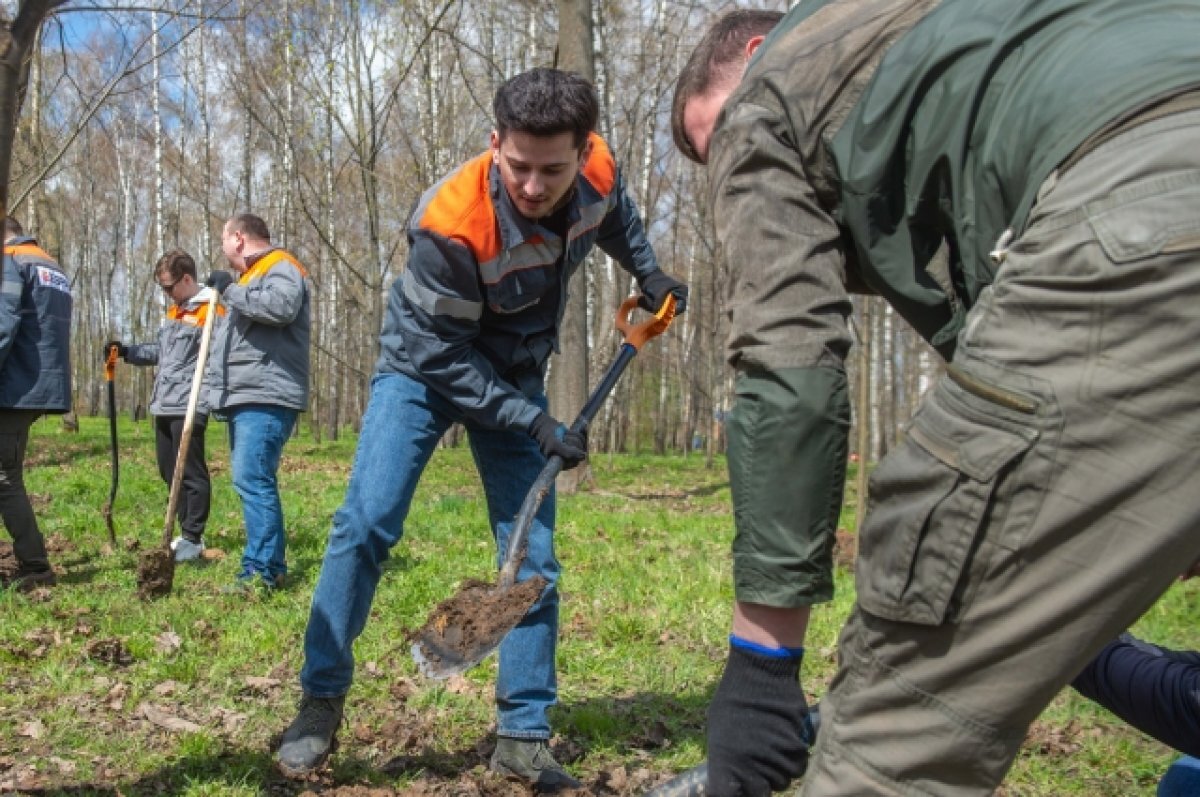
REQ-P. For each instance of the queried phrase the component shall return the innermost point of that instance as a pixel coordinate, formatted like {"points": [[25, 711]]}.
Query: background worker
{"points": [[257, 380], [35, 378], [469, 329], [1038, 504], [176, 353]]}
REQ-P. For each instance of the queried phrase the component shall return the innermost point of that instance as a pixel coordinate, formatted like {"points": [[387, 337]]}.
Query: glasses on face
{"points": [[168, 288]]}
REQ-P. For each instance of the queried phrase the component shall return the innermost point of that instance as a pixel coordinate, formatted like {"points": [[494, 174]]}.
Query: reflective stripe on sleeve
{"points": [[435, 304]]}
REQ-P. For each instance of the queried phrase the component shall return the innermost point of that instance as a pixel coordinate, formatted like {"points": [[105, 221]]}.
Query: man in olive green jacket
{"points": [[1043, 498]]}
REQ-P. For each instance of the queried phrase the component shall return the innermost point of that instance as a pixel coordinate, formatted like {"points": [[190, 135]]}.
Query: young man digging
{"points": [[469, 329]]}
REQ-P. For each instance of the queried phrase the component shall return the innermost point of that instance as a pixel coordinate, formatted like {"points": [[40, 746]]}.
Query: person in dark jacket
{"points": [[1021, 182], [257, 380], [470, 327], [175, 354], [35, 379]]}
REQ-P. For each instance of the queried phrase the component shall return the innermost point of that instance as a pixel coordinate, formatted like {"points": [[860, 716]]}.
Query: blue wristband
{"points": [[763, 650]]}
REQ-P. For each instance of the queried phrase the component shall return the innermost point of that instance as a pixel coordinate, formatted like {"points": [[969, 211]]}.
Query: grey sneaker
{"points": [[311, 737], [186, 550], [530, 760]]}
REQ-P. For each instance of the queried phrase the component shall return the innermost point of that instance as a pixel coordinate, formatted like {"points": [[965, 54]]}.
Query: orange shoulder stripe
{"points": [[194, 317], [600, 169], [27, 249], [268, 262], [462, 210]]}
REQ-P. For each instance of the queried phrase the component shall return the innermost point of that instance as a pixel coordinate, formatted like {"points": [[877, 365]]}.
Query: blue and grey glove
{"points": [[557, 440], [655, 289], [758, 727]]}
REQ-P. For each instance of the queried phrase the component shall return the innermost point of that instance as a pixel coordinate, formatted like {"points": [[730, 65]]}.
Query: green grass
{"points": [[646, 596]]}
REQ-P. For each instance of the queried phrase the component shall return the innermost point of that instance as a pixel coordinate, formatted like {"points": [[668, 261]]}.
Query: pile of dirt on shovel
{"points": [[478, 614]]}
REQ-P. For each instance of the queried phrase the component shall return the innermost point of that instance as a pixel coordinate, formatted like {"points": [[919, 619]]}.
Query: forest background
{"points": [[145, 127]]}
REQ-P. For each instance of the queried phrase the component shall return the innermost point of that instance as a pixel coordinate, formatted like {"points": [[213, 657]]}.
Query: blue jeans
{"points": [[257, 433], [1182, 779], [403, 423]]}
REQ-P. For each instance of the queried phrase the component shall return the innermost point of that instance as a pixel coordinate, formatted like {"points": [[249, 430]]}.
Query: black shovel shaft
{"points": [[112, 437], [541, 485]]}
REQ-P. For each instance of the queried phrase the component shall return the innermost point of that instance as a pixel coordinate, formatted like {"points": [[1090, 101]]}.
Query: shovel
{"points": [[110, 373], [465, 628], [156, 568]]}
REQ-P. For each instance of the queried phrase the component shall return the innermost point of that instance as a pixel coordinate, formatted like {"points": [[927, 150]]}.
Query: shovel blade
{"points": [[155, 573], [463, 629]]}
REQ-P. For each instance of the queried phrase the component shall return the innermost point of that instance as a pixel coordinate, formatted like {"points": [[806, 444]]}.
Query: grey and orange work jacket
{"points": [[260, 348], [175, 353], [475, 315], [35, 329]]}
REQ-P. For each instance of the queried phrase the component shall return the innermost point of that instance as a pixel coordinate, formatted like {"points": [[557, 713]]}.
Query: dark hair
{"points": [[717, 54], [250, 225], [546, 102], [12, 227], [175, 264]]}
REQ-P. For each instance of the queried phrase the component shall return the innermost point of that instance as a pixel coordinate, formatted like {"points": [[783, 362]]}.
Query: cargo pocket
{"points": [[1144, 219], [927, 501]]}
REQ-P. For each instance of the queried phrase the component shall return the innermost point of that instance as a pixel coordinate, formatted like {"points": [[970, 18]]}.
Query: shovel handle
{"points": [[635, 337]]}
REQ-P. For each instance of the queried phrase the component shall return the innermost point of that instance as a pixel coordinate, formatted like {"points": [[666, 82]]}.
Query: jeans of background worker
{"points": [[195, 490], [1182, 779], [1044, 496], [29, 547], [257, 433], [403, 423]]}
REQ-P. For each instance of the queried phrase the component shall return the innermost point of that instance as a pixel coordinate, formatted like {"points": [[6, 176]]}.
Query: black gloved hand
{"points": [[757, 738], [555, 439], [122, 349], [219, 281], [655, 290]]}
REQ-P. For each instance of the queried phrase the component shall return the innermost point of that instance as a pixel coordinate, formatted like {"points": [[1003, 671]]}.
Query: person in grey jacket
{"points": [[469, 330], [35, 378], [175, 353], [257, 380]]}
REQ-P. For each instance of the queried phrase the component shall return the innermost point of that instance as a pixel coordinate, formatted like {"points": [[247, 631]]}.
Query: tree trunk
{"points": [[569, 372]]}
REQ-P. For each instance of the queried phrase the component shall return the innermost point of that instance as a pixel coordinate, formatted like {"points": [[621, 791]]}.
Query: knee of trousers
{"points": [[892, 725]]}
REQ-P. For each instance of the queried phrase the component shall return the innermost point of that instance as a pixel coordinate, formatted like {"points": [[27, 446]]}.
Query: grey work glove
{"points": [[557, 440], [219, 281], [655, 289]]}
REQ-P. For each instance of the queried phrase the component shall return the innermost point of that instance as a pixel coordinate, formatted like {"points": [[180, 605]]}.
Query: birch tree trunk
{"points": [[569, 369]]}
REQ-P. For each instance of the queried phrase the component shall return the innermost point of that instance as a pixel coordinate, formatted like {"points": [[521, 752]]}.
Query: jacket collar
{"points": [[515, 229]]}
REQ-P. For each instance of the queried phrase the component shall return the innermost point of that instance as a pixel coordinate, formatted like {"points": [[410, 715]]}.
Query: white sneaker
{"points": [[186, 550]]}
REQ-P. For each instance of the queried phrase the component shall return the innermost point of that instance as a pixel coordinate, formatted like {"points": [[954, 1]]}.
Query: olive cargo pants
{"points": [[1046, 494]]}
